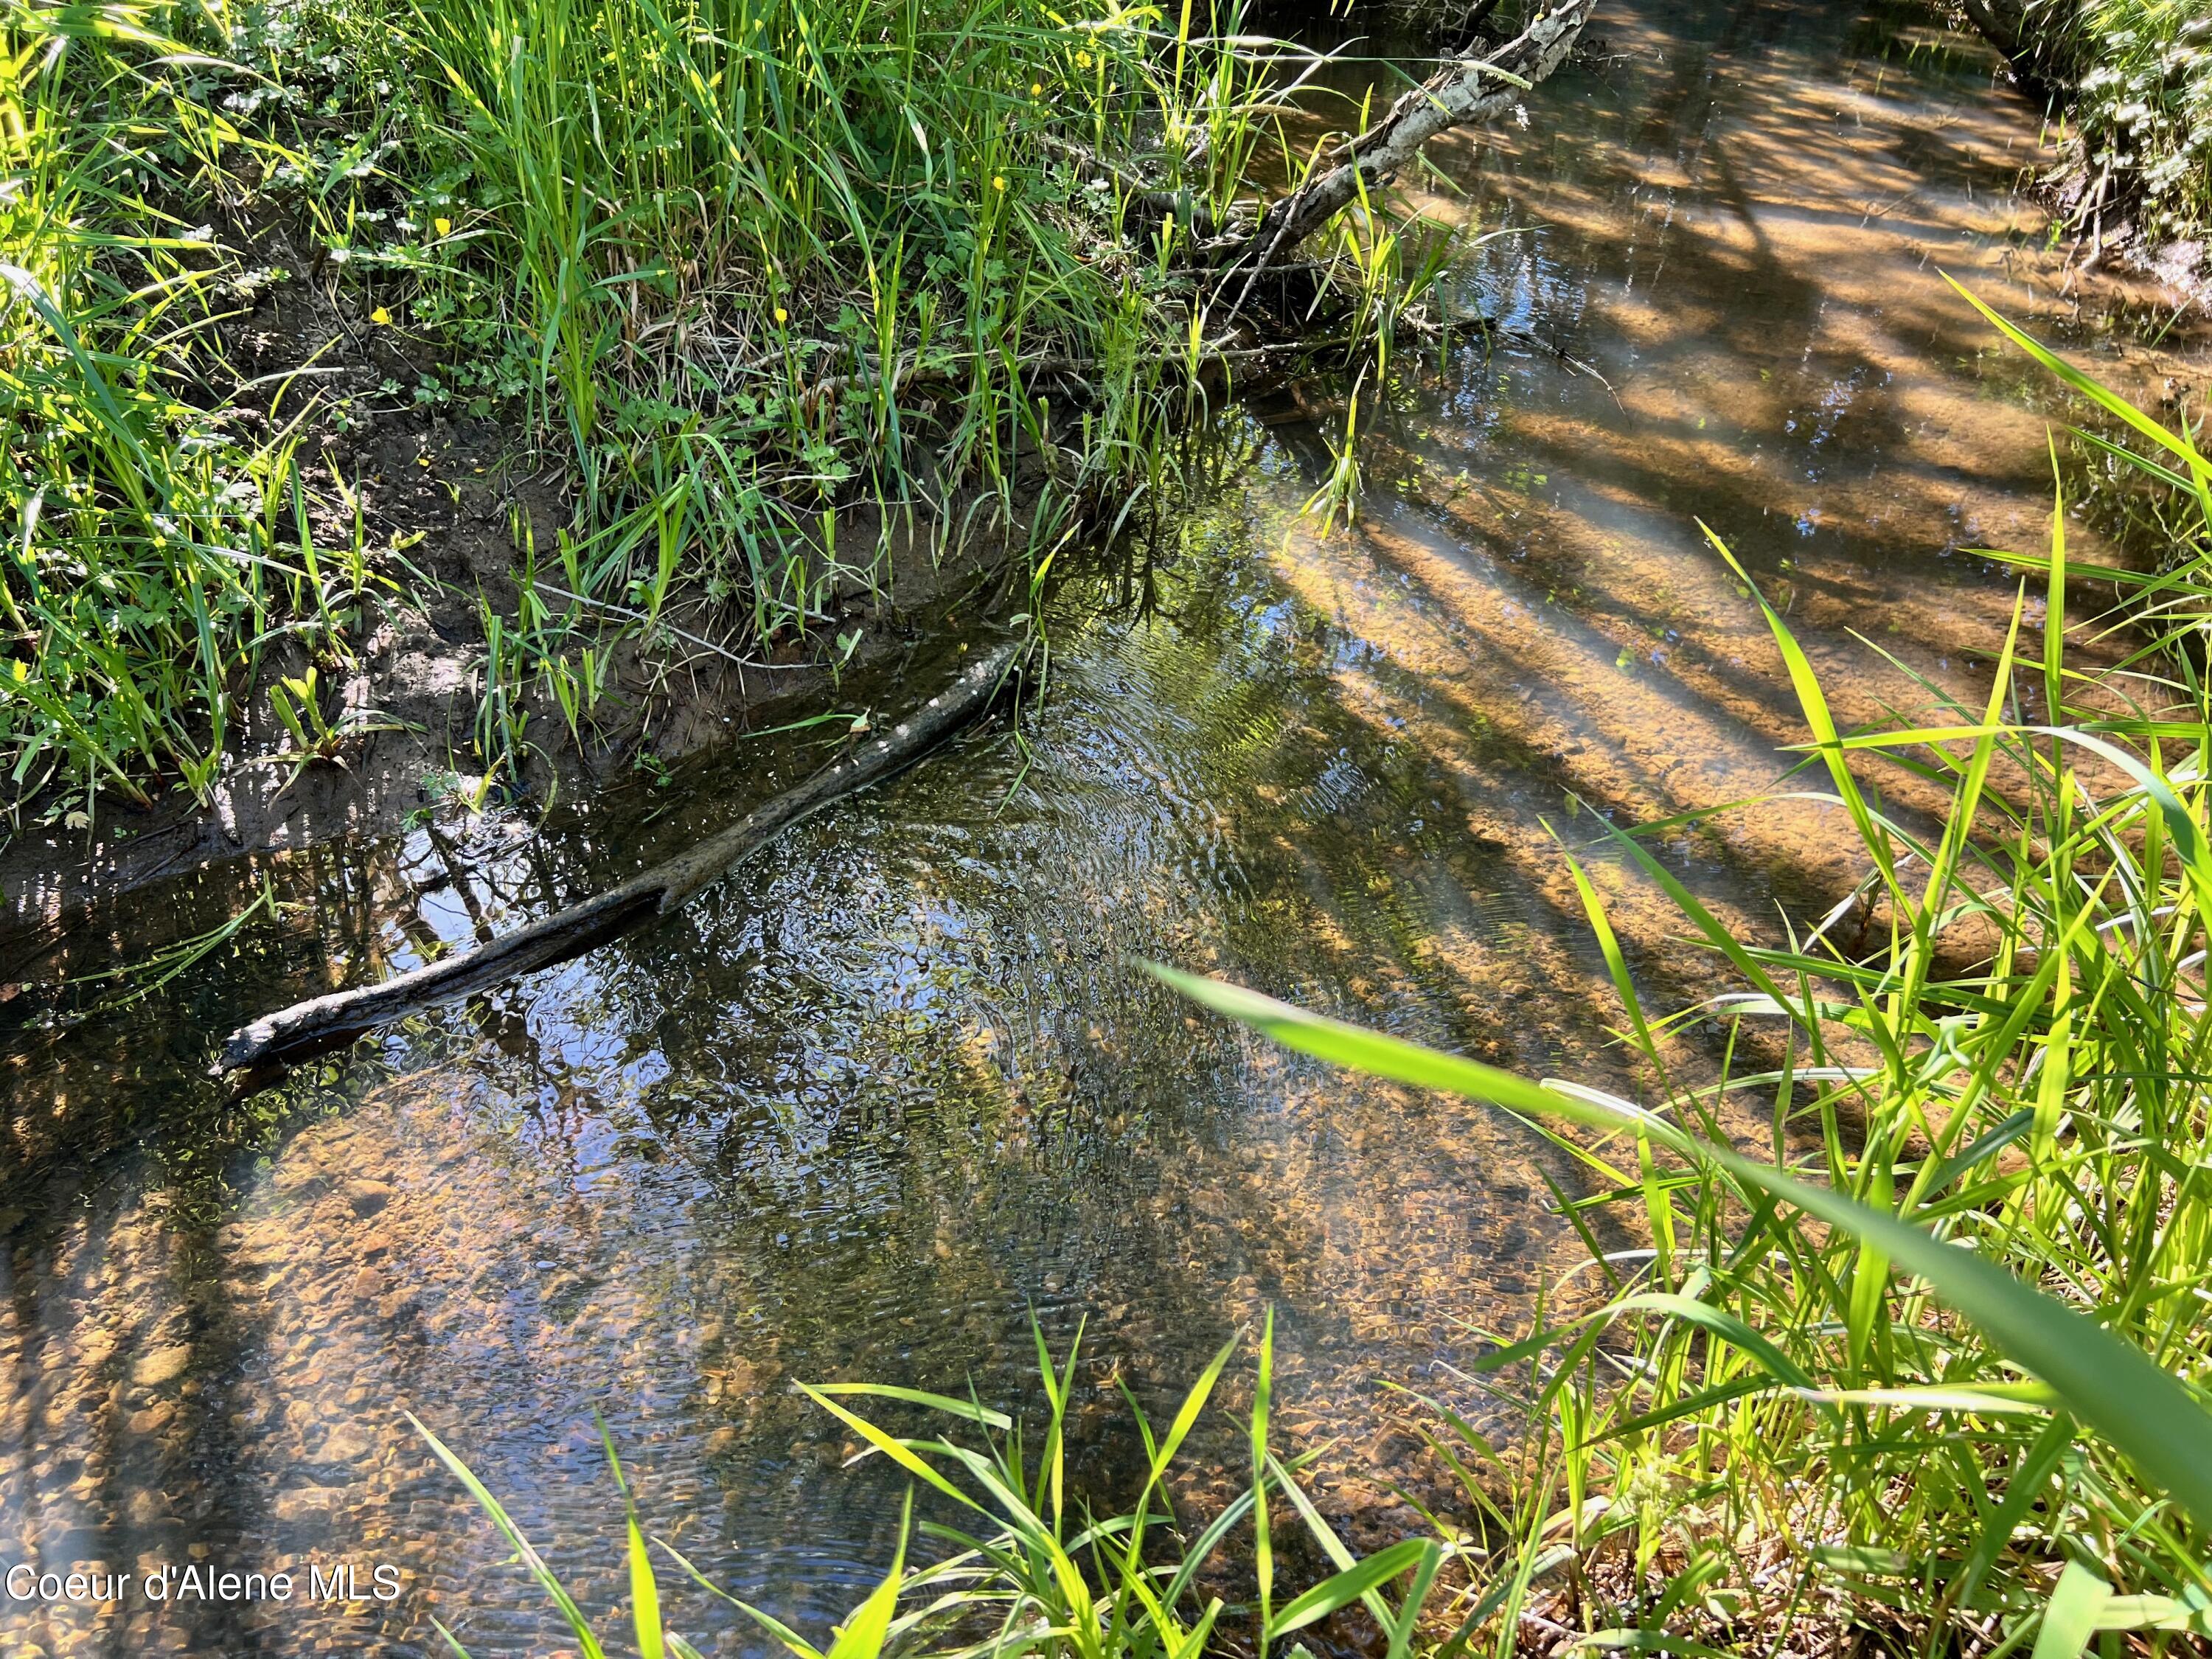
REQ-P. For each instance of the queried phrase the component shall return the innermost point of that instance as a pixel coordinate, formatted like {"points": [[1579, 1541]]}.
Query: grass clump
{"points": [[1928, 1373], [769, 288], [752, 262], [2135, 80], [2143, 104], [153, 544], [1021, 1564]]}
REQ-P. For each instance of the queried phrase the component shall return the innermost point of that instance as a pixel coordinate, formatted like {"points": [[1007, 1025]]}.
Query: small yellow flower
{"points": [[1037, 88], [443, 227], [998, 183], [781, 315], [1083, 60], [379, 316]]}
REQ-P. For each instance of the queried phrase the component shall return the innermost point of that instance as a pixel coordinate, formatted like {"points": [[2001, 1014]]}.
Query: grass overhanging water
{"points": [[765, 287], [1912, 1358], [1030, 1568], [744, 269], [1927, 1369]]}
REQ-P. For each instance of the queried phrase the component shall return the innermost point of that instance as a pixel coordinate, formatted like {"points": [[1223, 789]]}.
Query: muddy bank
{"points": [[449, 514], [419, 681], [447, 503]]}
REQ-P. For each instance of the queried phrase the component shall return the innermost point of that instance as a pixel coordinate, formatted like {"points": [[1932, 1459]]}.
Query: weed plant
{"points": [[1913, 1356], [2144, 106], [1020, 1565], [156, 538], [772, 284], [2136, 77]]}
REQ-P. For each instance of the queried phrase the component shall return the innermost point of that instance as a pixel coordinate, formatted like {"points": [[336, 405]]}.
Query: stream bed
{"points": [[898, 1086]]}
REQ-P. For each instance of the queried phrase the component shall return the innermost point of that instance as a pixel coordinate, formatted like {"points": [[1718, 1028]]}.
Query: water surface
{"points": [[897, 1086]]}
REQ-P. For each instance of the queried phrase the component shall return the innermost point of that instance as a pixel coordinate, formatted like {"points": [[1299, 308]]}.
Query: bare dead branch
{"points": [[1464, 92], [323, 1022]]}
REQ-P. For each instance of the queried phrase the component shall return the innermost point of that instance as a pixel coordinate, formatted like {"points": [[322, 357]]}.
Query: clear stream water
{"points": [[897, 1084]]}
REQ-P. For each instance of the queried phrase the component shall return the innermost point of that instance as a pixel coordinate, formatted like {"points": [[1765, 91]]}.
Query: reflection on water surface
{"points": [[896, 1084]]}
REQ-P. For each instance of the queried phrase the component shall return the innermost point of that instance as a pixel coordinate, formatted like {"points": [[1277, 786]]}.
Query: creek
{"points": [[897, 1086]]}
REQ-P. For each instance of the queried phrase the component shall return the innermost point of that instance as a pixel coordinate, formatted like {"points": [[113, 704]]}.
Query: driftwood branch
{"points": [[324, 1023], [1464, 92]]}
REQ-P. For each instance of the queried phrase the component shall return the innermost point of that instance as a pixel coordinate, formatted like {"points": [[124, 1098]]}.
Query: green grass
{"points": [[1915, 1352], [768, 284], [2136, 77], [2143, 105], [155, 543], [1020, 1563]]}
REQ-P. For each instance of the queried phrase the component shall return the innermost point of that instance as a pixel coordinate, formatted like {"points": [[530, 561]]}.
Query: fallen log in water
{"points": [[323, 1023]]}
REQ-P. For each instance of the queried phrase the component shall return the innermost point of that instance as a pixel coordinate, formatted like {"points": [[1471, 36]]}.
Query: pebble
{"points": [[367, 1197], [298, 1504], [162, 1365]]}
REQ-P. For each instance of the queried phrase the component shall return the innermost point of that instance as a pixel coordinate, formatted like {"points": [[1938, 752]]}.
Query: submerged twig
{"points": [[325, 1022]]}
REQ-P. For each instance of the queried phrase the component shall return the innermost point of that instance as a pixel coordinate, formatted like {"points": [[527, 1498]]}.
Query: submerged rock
{"points": [[367, 1197], [162, 1365]]}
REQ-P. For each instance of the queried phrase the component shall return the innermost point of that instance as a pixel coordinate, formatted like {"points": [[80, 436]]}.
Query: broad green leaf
{"points": [[1263, 1545], [644, 1597], [2111, 401], [2152, 1613], [1324, 1536], [2071, 1618], [644, 1590], [1864, 1560], [782, 1633], [1379, 1056], [896, 1449], [1724, 1325], [1805, 682], [1994, 1398]]}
